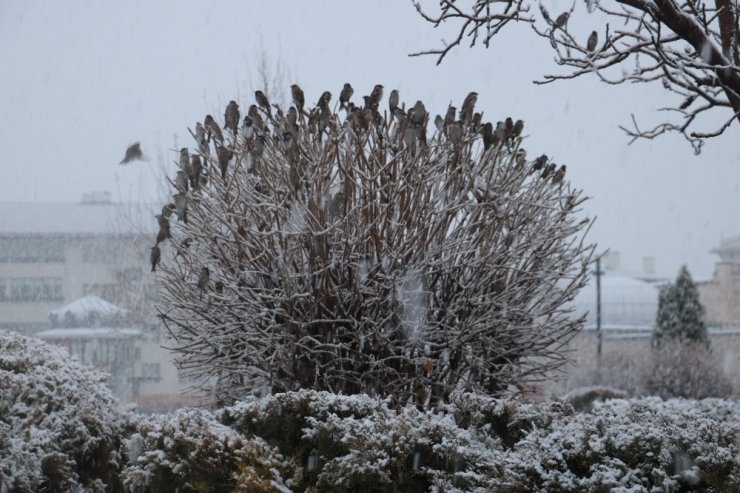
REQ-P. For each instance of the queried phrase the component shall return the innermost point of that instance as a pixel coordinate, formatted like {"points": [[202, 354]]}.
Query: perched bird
{"points": [[376, 95], [154, 257], [345, 95], [439, 122], [454, 132], [418, 113], [548, 169], [509, 127], [224, 155], [450, 116], [324, 99], [393, 100], [562, 19], [539, 163], [518, 128], [298, 99], [184, 158], [167, 210], [181, 206], [204, 278], [592, 41], [200, 133], [231, 117], [248, 127], [213, 130], [324, 117], [559, 175], [196, 169], [219, 287], [162, 235], [476, 121], [133, 153], [257, 121], [259, 147], [466, 112], [181, 182], [263, 102], [292, 118], [487, 132]]}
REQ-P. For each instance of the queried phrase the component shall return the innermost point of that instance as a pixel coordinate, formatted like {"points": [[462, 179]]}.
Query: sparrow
{"points": [[324, 117], [393, 100], [376, 95], [548, 169], [454, 132], [133, 153], [439, 122], [562, 19], [324, 99], [248, 127], [559, 175], [539, 163], [345, 95], [200, 133], [298, 99], [167, 210], [257, 121], [518, 128], [181, 206], [418, 113], [184, 158], [487, 132], [214, 131], [196, 167], [509, 127], [259, 147], [592, 40], [154, 257], [204, 278], [466, 112], [163, 234], [181, 182], [450, 116], [224, 155], [263, 102], [292, 117], [231, 117]]}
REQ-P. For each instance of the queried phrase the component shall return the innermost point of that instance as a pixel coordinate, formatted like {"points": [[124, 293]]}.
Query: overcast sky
{"points": [[81, 80]]}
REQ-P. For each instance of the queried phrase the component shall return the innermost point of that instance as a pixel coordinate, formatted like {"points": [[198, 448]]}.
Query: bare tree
{"points": [[357, 255], [691, 47]]}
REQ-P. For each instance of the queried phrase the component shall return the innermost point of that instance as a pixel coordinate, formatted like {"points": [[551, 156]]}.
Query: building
{"points": [[721, 295], [66, 268], [52, 254]]}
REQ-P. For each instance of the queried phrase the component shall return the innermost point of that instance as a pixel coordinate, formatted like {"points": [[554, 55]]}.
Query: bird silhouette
{"points": [[231, 117], [345, 95], [466, 111], [393, 100], [133, 153], [204, 278], [263, 102], [298, 98], [213, 130], [592, 41], [155, 257]]}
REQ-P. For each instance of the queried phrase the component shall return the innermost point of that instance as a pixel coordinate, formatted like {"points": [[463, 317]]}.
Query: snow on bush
{"points": [[358, 443], [189, 450], [60, 426]]}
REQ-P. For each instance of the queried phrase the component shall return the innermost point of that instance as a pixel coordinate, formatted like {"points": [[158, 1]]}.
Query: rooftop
{"points": [[95, 214]]}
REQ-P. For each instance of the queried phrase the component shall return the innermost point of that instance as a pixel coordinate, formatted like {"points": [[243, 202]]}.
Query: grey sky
{"points": [[84, 79]]}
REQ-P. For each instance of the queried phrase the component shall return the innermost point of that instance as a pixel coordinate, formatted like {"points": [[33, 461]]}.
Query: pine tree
{"points": [[680, 314]]}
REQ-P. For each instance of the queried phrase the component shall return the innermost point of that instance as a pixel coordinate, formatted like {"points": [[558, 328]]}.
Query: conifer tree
{"points": [[680, 313]]}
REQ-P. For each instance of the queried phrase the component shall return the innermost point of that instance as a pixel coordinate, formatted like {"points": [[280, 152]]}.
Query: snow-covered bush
{"points": [[189, 450], [60, 426], [363, 252], [361, 444], [679, 368]]}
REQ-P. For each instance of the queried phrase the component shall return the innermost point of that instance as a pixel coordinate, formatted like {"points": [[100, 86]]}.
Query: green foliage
{"points": [[680, 314]]}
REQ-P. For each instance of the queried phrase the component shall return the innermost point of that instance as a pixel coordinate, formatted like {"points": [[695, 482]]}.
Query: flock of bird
{"points": [[193, 174]]}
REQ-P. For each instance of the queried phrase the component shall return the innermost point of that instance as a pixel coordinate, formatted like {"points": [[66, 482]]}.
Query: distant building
{"points": [[54, 253], [66, 268], [721, 295]]}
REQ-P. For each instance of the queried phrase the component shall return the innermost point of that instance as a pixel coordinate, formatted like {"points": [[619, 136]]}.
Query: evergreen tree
{"points": [[680, 314]]}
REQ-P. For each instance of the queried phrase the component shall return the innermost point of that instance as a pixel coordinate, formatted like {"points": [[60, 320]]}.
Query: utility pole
{"points": [[599, 335]]}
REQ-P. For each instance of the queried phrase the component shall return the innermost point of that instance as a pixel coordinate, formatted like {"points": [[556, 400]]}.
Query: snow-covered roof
{"points": [[626, 303], [77, 218], [87, 305], [88, 333]]}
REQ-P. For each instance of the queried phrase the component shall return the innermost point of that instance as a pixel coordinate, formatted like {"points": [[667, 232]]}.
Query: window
{"points": [[150, 371], [32, 249], [30, 289], [102, 250]]}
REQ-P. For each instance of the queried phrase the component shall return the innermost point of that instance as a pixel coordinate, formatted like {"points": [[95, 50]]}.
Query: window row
{"points": [[30, 289]]}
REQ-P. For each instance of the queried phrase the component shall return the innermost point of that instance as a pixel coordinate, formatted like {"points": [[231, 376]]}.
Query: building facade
{"points": [[721, 295]]}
